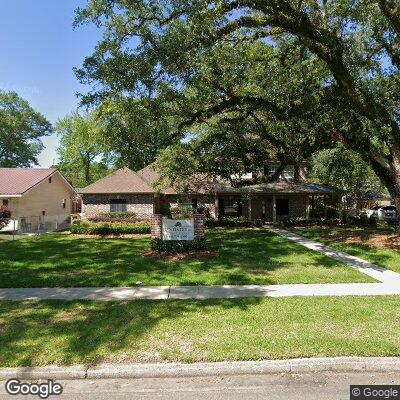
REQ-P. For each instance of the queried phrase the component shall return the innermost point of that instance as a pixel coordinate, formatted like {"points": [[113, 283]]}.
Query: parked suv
{"points": [[386, 213]]}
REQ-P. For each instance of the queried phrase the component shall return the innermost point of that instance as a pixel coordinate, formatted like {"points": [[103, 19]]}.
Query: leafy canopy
{"points": [[296, 76], [82, 151], [21, 130]]}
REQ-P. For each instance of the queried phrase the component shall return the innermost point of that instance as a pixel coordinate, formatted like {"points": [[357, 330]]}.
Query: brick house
{"points": [[126, 190]]}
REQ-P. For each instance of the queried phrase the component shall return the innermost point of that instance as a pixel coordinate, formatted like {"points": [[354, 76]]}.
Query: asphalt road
{"points": [[318, 386]]}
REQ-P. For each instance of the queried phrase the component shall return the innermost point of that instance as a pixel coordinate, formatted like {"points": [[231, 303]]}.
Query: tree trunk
{"points": [[87, 168]]}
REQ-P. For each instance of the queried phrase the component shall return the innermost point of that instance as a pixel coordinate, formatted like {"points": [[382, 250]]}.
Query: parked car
{"points": [[386, 213]]}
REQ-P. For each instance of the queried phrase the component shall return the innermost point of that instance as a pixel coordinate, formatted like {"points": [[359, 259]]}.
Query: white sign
{"points": [[178, 229]]}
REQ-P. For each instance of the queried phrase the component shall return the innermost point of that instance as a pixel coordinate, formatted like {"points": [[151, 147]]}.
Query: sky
{"points": [[38, 49]]}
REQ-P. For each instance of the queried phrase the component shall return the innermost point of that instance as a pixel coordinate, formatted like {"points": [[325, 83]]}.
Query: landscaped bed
{"points": [[76, 332], [380, 245], [240, 256]]}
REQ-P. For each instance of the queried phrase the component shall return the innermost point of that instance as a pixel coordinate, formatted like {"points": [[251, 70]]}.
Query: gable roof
{"points": [[151, 176], [17, 181], [127, 181], [121, 181], [285, 187]]}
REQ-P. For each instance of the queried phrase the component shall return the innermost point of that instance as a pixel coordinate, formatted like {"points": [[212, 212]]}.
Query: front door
{"points": [[282, 207]]}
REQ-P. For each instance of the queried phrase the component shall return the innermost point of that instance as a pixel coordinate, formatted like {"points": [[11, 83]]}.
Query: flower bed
{"points": [[113, 216]]}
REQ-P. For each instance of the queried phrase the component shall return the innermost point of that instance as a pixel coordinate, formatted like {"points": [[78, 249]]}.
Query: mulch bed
{"points": [[189, 255], [377, 240]]}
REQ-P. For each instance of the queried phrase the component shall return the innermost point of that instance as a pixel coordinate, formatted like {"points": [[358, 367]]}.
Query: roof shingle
{"points": [[121, 181], [16, 181]]}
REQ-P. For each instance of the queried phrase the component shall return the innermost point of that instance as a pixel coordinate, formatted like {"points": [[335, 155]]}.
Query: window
{"points": [[282, 207], [194, 204], [287, 173], [5, 203], [117, 205], [232, 206], [64, 203], [50, 179], [43, 213]]}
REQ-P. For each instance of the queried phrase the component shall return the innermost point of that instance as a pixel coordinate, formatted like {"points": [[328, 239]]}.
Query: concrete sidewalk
{"points": [[199, 292]]}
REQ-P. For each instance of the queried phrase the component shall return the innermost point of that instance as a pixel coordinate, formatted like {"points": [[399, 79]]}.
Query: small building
{"points": [[40, 199], [126, 190]]}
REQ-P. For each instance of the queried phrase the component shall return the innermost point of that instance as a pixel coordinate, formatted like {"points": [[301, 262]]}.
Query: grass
{"points": [[386, 258], [244, 257], [88, 332]]}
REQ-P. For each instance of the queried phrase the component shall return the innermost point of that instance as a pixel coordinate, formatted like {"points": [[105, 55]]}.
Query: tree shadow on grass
{"points": [[75, 332], [244, 257]]}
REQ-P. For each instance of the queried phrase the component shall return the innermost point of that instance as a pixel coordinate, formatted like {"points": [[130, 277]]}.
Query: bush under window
{"points": [[103, 229]]}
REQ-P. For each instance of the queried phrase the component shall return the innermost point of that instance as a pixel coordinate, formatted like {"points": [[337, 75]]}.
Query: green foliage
{"points": [[245, 84], [134, 129], [103, 229], [301, 221], [115, 216], [182, 212], [21, 128], [82, 144], [178, 246], [344, 170], [229, 222], [119, 214], [373, 219], [364, 219]]}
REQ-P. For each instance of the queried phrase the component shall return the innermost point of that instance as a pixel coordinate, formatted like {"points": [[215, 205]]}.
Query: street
{"points": [[313, 386]]}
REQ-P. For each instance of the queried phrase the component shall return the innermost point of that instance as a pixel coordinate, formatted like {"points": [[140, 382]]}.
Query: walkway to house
{"points": [[389, 284], [380, 274]]}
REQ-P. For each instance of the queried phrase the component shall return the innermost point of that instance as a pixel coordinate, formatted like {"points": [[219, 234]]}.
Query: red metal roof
{"points": [[15, 181]]}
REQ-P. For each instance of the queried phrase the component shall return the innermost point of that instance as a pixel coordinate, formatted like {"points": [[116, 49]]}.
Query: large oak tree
{"points": [[301, 74]]}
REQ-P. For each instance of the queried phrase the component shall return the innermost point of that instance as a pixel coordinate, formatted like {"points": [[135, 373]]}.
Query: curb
{"points": [[226, 368]]}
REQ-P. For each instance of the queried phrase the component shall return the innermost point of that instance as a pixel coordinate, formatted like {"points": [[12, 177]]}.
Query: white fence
{"points": [[36, 225]]}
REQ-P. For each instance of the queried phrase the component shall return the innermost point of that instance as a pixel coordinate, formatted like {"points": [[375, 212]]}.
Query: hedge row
{"points": [[176, 246], [115, 216], [301, 221], [89, 228], [231, 222]]}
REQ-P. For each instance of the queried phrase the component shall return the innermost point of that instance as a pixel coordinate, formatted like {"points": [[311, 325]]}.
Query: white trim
{"points": [[9, 196]]}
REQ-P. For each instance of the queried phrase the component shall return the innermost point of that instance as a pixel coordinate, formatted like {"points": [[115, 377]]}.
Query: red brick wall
{"points": [[208, 202], [141, 204]]}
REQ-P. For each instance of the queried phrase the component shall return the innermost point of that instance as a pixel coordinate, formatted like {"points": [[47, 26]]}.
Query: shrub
{"points": [[89, 228], [228, 222], [115, 216], [182, 212], [5, 212], [304, 222], [119, 214], [354, 219], [363, 218], [177, 246], [373, 219]]}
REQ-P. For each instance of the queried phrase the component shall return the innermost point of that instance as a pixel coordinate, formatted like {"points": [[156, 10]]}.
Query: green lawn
{"points": [[386, 258], [244, 257], [55, 332]]}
